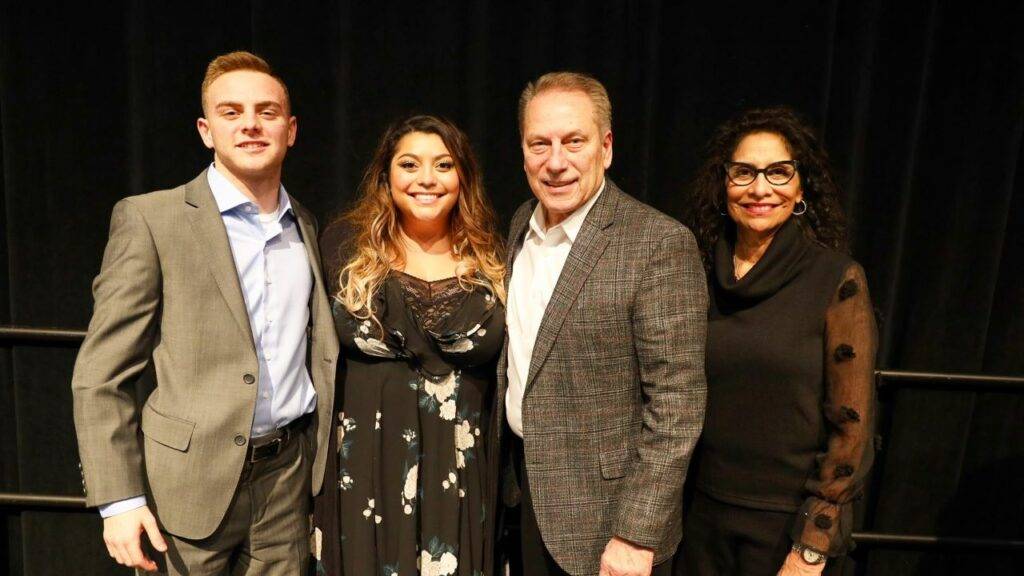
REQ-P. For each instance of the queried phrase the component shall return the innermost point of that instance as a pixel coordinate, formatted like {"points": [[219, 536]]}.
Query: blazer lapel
{"points": [[517, 231], [586, 251], [213, 239], [311, 241]]}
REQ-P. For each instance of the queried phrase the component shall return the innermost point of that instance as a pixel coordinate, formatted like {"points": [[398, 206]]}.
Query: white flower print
{"points": [[441, 390], [448, 410], [364, 327], [409, 435], [438, 559], [345, 481], [376, 424], [464, 435], [347, 425], [464, 440], [447, 564], [411, 479], [368, 512], [427, 566], [450, 482], [373, 347], [409, 489], [460, 346]]}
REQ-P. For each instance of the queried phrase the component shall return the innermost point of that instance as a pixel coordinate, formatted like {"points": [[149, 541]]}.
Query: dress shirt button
{"points": [[248, 378], [240, 440], [266, 395]]}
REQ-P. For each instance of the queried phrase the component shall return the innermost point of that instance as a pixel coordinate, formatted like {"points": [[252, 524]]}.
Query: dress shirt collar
{"points": [[571, 225], [228, 197]]}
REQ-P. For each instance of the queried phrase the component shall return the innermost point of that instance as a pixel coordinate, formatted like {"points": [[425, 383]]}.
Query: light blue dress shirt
{"points": [[276, 280]]}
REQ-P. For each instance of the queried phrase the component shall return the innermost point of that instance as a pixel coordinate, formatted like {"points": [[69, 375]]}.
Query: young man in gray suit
{"points": [[601, 389], [217, 285]]}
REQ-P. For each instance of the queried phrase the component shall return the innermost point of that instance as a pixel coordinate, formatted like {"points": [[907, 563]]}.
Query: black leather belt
{"points": [[272, 444]]}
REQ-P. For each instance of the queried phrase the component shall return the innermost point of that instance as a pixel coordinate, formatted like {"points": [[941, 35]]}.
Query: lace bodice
{"points": [[431, 301]]}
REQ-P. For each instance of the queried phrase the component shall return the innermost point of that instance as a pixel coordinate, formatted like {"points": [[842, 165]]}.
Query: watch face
{"points": [[811, 556]]}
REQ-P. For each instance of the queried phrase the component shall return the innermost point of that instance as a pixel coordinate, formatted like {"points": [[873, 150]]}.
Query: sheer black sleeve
{"points": [[826, 517]]}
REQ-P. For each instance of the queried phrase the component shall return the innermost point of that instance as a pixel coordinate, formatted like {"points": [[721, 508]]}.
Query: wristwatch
{"points": [[809, 555]]}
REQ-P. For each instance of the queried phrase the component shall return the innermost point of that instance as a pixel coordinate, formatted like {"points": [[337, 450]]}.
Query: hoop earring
{"points": [[802, 212]]}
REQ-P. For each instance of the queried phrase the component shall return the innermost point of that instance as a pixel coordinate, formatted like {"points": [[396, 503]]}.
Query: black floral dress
{"points": [[410, 470]]}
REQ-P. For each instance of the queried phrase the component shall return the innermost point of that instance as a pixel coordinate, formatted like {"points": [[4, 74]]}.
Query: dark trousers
{"points": [[721, 539], [524, 547], [265, 531]]}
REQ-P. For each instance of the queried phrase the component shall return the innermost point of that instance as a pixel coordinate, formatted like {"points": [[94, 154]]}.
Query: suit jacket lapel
{"points": [[311, 242], [586, 251], [213, 239], [517, 231]]}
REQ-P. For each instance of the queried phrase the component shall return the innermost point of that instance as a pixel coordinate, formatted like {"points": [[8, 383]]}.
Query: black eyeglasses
{"points": [[776, 173]]}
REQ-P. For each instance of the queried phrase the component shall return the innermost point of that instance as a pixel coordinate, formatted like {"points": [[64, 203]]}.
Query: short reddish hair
{"points": [[235, 61]]}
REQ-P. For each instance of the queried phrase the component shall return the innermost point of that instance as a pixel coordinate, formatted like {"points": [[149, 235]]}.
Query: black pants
{"points": [[721, 539], [527, 554]]}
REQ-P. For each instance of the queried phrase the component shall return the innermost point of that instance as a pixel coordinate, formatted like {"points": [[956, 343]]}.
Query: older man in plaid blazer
{"points": [[602, 381]]}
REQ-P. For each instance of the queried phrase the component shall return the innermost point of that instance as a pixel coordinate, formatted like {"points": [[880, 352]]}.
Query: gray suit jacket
{"points": [[168, 296], [615, 395]]}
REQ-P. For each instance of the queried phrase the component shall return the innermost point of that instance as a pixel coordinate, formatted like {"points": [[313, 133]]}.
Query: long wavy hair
{"points": [[824, 222], [374, 246]]}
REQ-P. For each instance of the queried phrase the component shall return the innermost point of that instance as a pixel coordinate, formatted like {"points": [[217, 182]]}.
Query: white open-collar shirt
{"points": [[535, 273]]}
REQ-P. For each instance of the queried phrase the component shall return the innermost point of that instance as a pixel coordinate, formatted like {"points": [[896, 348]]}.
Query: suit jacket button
{"points": [[240, 440], [248, 378]]}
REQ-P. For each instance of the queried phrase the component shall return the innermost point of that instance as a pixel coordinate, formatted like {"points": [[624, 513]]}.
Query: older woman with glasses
{"points": [[791, 345]]}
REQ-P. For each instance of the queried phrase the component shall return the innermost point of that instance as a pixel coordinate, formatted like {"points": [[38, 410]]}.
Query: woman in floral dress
{"points": [[420, 314]]}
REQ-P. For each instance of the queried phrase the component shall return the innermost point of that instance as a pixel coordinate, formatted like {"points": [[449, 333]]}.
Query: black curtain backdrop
{"points": [[921, 105]]}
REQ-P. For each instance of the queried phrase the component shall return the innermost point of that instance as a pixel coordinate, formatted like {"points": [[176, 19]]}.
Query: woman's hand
{"points": [[794, 565]]}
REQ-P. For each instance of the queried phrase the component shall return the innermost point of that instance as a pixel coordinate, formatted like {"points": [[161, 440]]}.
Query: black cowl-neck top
{"points": [[790, 354]]}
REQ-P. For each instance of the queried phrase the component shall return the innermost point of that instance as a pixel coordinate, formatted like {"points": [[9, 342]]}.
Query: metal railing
{"points": [[884, 380], [46, 335], [24, 500]]}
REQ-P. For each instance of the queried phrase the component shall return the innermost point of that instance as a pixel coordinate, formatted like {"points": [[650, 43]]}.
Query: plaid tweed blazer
{"points": [[168, 297], [614, 399]]}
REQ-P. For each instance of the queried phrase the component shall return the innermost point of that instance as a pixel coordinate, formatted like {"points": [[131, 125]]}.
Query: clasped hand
{"points": [[623, 558]]}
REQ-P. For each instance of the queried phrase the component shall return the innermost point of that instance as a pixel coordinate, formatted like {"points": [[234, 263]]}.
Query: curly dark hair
{"points": [[824, 222]]}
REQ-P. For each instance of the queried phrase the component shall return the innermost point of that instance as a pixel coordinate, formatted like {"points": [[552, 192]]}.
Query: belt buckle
{"points": [[276, 443]]}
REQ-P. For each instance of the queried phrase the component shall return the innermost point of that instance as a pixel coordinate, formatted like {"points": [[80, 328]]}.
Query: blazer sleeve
{"points": [[669, 326], [116, 350]]}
